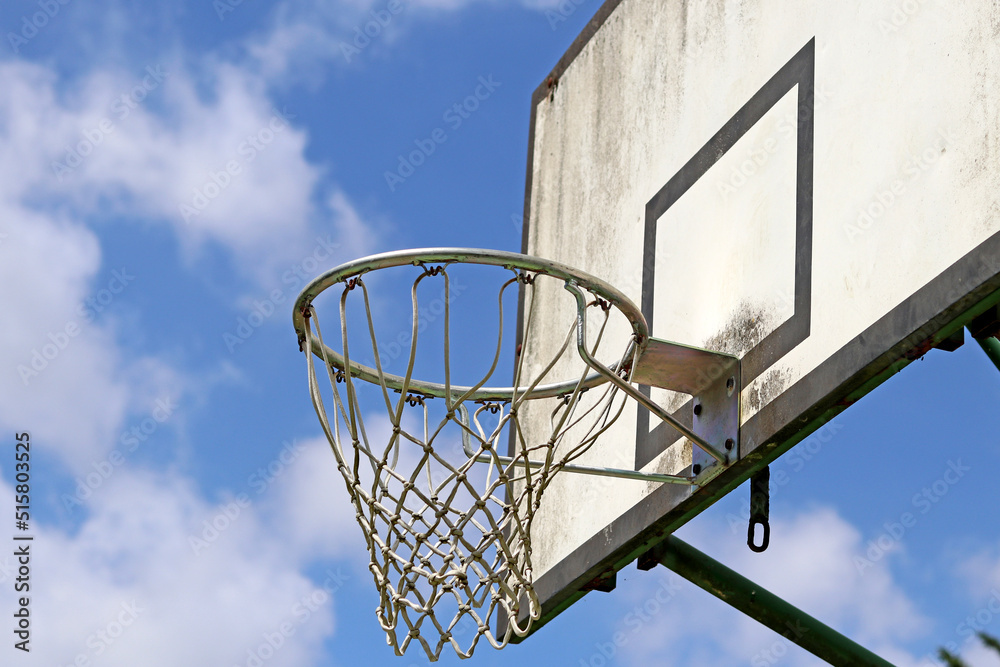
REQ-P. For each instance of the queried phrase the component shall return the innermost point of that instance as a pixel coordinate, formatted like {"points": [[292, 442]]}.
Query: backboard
{"points": [[810, 187]]}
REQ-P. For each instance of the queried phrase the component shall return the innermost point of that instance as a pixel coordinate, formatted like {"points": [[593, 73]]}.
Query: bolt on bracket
{"points": [[713, 380]]}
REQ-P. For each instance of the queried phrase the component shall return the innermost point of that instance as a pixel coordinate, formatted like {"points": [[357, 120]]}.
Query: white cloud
{"points": [[309, 505], [61, 376], [186, 609], [814, 566], [287, 48], [66, 379], [201, 149], [980, 656], [354, 233], [305, 36], [137, 146], [130, 147], [811, 566], [981, 570], [222, 165]]}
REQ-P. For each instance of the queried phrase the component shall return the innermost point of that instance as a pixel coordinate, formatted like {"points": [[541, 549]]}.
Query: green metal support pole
{"points": [[764, 606], [991, 346]]}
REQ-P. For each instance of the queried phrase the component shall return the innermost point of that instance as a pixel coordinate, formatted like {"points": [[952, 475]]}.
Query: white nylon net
{"points": [[446, 503]]}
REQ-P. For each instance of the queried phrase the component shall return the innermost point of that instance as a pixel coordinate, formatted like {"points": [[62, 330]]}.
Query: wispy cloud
{"points": [[125, 586], [811, 567]]}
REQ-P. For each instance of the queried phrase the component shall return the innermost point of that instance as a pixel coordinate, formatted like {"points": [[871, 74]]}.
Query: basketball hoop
{"points": [[446, 515]]}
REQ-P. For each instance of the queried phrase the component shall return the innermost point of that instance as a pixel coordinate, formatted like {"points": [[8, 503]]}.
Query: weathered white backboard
{"points": [[810, 186]]}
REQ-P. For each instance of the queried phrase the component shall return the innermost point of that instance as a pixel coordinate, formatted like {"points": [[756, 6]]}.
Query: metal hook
{"points": [[466, 439], [759, 508]]}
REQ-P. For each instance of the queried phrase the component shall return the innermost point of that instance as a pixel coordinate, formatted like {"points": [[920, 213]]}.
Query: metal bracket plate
{"points": [[714, 380]]}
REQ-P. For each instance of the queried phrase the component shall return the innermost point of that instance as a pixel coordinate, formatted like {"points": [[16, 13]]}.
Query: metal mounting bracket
{"points": [[713, 380]]}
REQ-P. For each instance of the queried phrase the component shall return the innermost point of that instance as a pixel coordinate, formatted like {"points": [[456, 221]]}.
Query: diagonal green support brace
{"points": [[991, 346], [760, 604]]}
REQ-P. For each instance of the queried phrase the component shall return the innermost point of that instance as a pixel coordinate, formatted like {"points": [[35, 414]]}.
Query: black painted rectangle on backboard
{"points": [[798, 72]]}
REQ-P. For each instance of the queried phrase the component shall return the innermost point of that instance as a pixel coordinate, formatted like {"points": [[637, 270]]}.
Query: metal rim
{"points": [[508, 260]]}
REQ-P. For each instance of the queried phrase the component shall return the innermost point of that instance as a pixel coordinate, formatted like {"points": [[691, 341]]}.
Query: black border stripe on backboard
{"points": [[800, 72]]}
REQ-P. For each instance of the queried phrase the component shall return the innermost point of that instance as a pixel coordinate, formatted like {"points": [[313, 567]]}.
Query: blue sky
{"points": [[170, 170]]}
